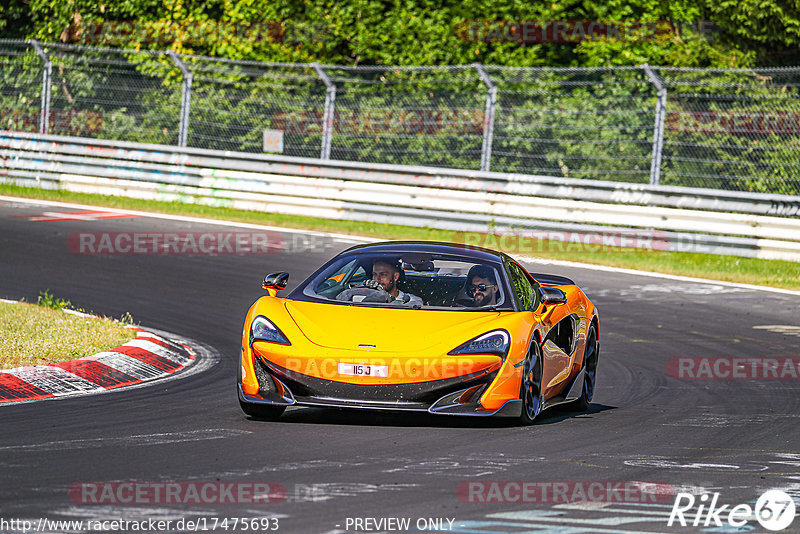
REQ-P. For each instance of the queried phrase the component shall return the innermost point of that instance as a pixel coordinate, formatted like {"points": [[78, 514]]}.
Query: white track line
{"points": [[564, 263], [364, 239], [181, 218]]}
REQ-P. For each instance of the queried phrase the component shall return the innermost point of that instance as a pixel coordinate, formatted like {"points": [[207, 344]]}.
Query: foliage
{"points": [[35, 335], [713, 33], [573, 123], [47, 300]]}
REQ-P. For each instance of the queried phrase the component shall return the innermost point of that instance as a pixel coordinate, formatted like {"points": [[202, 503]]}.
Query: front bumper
{"points": [[451, 396]]}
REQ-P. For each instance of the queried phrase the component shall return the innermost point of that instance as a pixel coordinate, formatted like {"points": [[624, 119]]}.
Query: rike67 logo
{"points": [[774, 510]]}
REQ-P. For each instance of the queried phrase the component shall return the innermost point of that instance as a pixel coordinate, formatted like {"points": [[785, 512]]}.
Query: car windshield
{"points": [[409, 280]]}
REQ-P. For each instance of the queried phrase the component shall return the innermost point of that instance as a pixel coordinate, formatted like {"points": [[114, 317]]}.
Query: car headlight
{"points": [[494, 342], [263, 329]]}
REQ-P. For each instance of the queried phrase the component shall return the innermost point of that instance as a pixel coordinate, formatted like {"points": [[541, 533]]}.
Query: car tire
{"points": [[267, 412], [262, 411], [531, 387], [590, 356]]}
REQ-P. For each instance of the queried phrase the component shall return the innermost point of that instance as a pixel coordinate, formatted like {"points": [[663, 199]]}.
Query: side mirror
{"points": [[275, 282], [552, 295]]}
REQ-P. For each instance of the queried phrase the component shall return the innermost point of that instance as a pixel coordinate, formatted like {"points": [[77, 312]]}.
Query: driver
{"points": [[383, 284], [385, 276]]}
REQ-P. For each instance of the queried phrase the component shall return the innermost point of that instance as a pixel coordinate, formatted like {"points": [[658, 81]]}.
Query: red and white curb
{"points": [[147, 357]]}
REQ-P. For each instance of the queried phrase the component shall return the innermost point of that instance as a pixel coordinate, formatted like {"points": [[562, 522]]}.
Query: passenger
{"points": [[481, 286]]}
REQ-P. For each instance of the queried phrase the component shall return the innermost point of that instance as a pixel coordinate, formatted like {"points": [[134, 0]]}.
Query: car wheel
{"points": [[262, 411], [531, 390], [590, 355]]}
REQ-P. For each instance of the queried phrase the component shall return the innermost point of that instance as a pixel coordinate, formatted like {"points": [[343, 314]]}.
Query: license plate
{"points": [[353, 369]]}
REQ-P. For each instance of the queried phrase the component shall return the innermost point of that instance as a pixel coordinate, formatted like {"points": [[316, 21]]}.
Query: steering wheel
{"points": [[466, 302], [462, 298], [370, 295]]}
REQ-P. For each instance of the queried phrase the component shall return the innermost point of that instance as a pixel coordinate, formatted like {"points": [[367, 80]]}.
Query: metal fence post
{"points": [[47, 76], [488, 119], [186, 97], [327, 117], [658, 128]]}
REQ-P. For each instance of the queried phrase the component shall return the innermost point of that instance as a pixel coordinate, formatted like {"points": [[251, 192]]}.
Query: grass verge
{"points": [[774, 273], [38, 335]]}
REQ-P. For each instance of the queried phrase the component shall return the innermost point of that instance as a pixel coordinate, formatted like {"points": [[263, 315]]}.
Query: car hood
{"points": [[389, 330]]}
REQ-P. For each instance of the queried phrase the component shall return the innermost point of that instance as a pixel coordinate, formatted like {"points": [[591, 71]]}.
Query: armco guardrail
{"points": [[589, 212]]}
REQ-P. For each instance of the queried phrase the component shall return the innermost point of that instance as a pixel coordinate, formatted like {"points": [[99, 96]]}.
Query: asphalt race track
{"points": [[735, 437]]}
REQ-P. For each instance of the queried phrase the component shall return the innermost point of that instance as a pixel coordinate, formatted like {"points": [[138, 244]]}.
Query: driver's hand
{"points": [[373, 284]]}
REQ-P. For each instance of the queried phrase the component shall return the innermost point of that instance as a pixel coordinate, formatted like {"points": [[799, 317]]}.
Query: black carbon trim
{"points": [[362, 404], [552, 279], [424, 394]]}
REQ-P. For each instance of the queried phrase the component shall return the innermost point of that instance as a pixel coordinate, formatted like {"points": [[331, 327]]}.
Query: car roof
{"points": [[432, 247]]}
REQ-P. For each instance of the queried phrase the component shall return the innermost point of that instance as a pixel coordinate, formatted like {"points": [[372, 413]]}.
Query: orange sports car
{"points": [[437, 327]]}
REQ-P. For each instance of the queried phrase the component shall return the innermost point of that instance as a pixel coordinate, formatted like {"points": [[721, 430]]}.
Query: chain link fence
{"points": [[733, 129], [736, 130]]}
